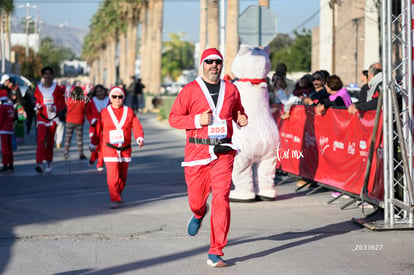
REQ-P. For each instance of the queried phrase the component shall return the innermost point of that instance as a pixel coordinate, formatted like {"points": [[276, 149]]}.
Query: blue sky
{"points": [[179, 15]]}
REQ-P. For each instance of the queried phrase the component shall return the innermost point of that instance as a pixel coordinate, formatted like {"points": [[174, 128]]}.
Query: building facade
{"points": [[352, 44]]}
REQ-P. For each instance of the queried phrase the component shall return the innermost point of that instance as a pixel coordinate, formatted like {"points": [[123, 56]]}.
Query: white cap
{"points": [[4, 78]]}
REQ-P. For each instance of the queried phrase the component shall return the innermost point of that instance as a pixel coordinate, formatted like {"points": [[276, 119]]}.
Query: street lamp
{"points": [[28, 18]]}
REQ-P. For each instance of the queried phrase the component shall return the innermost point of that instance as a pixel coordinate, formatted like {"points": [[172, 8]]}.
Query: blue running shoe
{"points": [[215, 261], [194, 224]]}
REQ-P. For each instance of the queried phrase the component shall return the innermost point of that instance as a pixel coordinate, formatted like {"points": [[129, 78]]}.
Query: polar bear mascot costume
{"points": [[255, 166]]}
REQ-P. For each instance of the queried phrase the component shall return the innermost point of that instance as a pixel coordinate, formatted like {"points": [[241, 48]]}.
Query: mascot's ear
{"points": [[244, 49], [266, 50]]}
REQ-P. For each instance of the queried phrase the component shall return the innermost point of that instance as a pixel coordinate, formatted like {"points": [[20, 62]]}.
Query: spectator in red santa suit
{"points": [[206, 108], [7, 116], [114, 128], [99, 100], [75, 118], [50, 101]]}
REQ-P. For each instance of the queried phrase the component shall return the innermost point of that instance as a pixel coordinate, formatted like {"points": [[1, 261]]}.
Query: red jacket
{"points": [[49, 102], [6, 118], [92, 111], [185, 113], [128, 122], [75, 111]]}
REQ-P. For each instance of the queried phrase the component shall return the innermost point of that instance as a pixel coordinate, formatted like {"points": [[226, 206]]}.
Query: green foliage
{"points": [[165, 108], [296, 54], [177, 56], [52, 55]]}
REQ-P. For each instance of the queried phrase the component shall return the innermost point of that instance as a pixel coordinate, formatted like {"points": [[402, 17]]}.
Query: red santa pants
{"points": [[97, 155], [214, 177], [45, 142], [6, 149], [116, 176]]}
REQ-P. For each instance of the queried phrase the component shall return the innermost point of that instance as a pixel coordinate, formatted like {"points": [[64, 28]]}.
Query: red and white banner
{"points": [[332, 148]]}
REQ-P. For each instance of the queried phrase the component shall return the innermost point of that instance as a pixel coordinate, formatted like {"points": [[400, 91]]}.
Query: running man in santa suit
{"points": [[114, 128], [206, 108], [50, 100], [97, 103]]}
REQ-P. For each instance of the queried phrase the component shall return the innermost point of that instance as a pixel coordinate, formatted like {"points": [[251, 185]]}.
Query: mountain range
{"points": [[63, 34]]}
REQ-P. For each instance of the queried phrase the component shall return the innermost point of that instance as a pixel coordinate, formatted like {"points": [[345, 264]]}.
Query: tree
{"points": [[6, 8], [31, 67], [177, 56], [52, 55], [296, 54]]}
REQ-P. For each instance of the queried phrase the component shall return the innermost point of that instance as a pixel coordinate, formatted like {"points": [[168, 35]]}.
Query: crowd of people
{"points": [[323, 90], [203, 106], [58, 111]]}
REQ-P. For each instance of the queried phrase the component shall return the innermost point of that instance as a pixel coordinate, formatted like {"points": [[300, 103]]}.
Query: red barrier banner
{"points": [[331, 148]]}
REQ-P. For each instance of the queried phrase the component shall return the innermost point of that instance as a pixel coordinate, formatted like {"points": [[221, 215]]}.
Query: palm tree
{"points": [[155, 84], [232, 37], [203, 25], [213, 25], [6, 8]]}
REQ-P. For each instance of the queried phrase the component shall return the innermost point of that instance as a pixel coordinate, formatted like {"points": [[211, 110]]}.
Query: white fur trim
{"points": [[116, 159], [117, 89], [197, 122]]}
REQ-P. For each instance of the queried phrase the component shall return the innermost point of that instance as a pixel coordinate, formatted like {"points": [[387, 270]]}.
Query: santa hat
{"points": [[211, 53], [4, 95], [116, 89], [4, 78]]}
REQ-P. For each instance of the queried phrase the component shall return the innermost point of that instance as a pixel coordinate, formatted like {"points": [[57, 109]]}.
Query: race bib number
{"points": [[48, 100], [116, 136], [217, 129]]}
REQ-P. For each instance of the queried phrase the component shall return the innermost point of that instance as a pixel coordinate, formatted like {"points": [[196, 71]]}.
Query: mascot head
{"points": [[251, 63]]}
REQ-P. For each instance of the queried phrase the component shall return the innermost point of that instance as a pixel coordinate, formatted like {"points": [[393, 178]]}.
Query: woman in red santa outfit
{"points": [[206, 108], [114, 127], [50, 101], [96, 104], [7, 117]]}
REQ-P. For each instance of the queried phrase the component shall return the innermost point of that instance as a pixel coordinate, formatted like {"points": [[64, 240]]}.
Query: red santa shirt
{"points": [[115, 126], [93, 111], [75, 111], [94, 108], [49, 102], [6, 117], [191, 102]]}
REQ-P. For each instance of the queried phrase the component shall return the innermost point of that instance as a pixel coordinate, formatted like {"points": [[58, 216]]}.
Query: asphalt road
{"points": [[60, 223]]}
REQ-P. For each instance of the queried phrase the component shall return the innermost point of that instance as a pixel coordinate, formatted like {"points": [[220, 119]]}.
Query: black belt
{"points": [[48, 118], [118, 148], [209, 141]]}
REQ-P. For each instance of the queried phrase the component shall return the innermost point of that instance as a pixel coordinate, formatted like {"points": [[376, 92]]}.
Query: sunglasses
{"points": [[117, 96], [211, 61], [316, 78]]}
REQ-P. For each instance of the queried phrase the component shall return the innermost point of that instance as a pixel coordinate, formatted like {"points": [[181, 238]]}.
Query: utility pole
{"points": [[27, 30], [356, 21]]}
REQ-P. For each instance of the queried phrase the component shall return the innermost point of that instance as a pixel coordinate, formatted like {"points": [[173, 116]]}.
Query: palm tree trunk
{"points": [[123, 73], [264, 3], [156, 48], [132, 48], [213, 23], [146, 44], [232, 34], [203, 25]]}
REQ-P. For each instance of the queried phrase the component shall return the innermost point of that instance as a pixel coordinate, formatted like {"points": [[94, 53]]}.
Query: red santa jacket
{"points": [[109, 132], [92, 108], [93, 112], [49, 102], [6, 118], [185, 113], [75, 111]]}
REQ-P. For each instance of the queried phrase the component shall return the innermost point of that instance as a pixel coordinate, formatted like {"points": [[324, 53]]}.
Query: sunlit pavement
{"points": [[60, 222]]}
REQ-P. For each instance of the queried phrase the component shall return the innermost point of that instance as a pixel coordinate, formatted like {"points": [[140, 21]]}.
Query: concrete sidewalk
{"points": [[60, 223]]}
